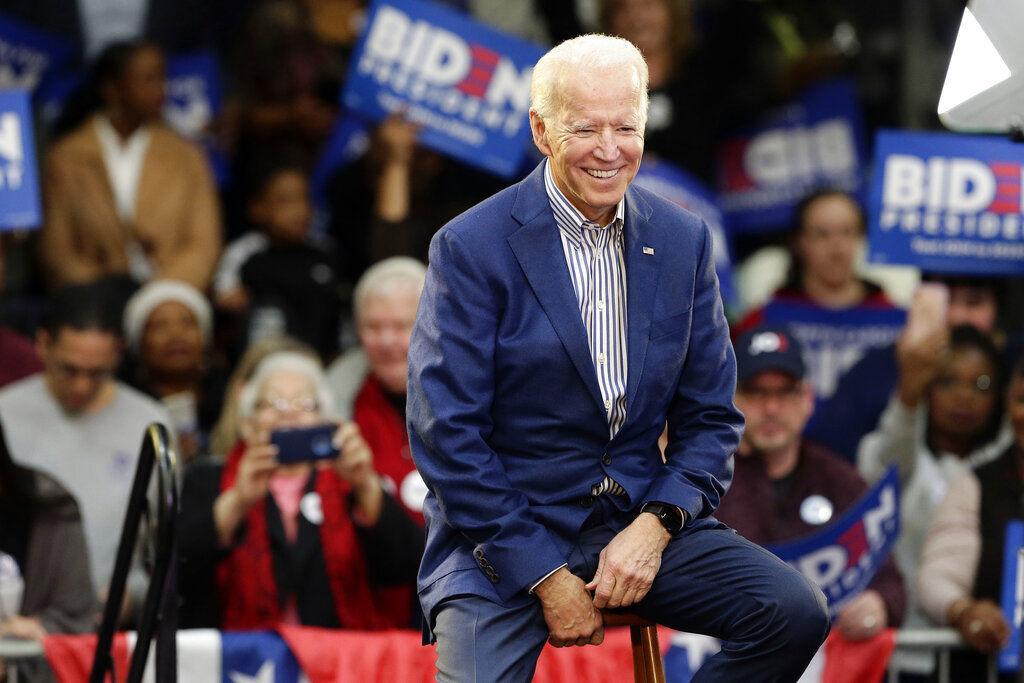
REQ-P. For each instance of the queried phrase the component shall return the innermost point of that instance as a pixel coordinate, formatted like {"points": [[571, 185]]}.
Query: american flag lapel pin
{"points": [[649, 251]]}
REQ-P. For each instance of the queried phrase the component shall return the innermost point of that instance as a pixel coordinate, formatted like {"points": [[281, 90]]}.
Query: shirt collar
{"points": [[111, 139], [569, 219]]}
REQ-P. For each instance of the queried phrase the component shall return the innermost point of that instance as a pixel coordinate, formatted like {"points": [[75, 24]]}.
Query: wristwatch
{"points": [[671, 517]]}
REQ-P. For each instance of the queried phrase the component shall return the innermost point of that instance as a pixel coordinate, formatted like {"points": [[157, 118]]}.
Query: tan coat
{"points": [[177, 212]]}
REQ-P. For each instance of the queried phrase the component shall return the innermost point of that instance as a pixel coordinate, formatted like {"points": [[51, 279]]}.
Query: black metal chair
{"points": [[160, 609]]}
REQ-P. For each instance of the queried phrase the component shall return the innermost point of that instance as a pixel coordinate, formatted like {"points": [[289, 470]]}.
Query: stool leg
{"points": [[636, 638], [650, 652]]}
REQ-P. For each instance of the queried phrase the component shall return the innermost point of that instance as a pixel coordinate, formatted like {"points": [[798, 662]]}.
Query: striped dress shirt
{"points": [[597, 268]]}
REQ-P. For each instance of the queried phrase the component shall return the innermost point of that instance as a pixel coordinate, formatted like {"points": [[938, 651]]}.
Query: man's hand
{"points": [[863, 617], [569, 611], [627, 566]]}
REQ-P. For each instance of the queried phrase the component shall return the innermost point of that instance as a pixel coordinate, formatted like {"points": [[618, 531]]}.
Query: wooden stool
{"points": [[647, 664]]}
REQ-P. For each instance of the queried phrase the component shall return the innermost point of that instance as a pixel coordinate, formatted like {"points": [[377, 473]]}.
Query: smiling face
{"points": [[595, 141]]}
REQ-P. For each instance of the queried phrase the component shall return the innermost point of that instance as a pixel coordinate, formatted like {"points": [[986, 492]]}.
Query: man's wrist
{"points": [[535, 589], [671, 517]]}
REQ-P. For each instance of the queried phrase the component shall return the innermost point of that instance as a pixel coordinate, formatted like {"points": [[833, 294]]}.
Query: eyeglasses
{"points": [[289, 405]]}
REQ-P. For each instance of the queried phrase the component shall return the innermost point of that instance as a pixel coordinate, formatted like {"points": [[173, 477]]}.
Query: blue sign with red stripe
{"points": [[844, 557], [815, 141], [947, 203], [466, 84]]}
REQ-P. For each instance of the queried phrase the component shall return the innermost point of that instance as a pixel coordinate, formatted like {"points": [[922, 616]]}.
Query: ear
{"points": [[807, 399], [540, 133]]}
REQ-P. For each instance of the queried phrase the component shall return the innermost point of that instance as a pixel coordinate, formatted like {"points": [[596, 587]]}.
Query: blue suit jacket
{"points": [[506, 421]]}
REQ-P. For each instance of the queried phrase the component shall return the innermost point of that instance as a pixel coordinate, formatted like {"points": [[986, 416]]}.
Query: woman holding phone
{"points": [[279, 534]]}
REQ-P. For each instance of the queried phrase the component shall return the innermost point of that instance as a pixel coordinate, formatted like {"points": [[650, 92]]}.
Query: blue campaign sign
{"points": [[676, 185], [843, 557], [28, 55], [947, 203], [194, 100], [193, 93], [466, 84], [816, 141], [834, 340], [19, 179], [1013, 593]]}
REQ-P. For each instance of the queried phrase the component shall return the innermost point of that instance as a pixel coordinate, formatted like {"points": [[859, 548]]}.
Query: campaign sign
{"points": [[193, 93], [466, 84], [1013, 593], [816, 141], [19, 184], [834, 340], [947, 203], [27, 54], [194, 99], [676, 185], [844, 557]]}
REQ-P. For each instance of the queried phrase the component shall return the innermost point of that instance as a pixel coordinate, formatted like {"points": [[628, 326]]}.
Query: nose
{"points": [[607, 146]]}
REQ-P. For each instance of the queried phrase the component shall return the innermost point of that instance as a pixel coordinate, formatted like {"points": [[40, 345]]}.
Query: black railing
{"points": [[159, 615]]}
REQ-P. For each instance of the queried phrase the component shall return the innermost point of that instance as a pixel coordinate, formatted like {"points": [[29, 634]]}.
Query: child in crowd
{"points": [[277, 279]]}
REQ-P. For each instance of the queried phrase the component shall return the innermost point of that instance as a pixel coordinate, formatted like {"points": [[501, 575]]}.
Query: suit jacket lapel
{"points": [[641, 289], [538, 248]]}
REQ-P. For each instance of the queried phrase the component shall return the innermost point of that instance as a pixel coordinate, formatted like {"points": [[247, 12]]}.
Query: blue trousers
{"points": [[771, 620]]}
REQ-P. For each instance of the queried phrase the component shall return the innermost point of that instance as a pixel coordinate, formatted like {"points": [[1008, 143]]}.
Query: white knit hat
{"points": [[157, 292]]}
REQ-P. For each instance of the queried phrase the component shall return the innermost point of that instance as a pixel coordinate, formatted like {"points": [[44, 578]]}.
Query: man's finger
{"points": [[621, 587], [605, 590], [629, 596], [598, 637]]}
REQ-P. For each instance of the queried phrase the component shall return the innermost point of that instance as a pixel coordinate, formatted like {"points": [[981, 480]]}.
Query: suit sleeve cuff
{"points": [[546, 577]]}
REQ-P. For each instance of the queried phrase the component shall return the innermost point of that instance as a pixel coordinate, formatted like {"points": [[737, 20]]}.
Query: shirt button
{"points": [[601, 358], [607, 403], [600, 304], [606, 459]]}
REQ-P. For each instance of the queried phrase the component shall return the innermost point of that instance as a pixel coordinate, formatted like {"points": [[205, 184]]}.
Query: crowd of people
{"points": [[230, 313]]}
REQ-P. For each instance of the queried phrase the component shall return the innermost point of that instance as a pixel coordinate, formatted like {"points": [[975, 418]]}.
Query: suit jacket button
{"points": [[606, 459], [586, 501], [478, 554], [493, 576]]}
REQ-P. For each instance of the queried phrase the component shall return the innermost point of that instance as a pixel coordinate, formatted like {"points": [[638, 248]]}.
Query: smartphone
{"points": [[927, 311], [304, 444]]}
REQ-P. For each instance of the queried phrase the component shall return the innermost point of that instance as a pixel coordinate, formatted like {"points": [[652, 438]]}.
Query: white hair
{"points": [[386, 276], [593, 51], [286, 361]]}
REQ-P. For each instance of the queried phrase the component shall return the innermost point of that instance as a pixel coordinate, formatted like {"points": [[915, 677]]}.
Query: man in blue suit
{"points": [[563, 322]]}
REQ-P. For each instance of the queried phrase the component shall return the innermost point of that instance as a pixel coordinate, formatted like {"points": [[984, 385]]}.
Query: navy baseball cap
{"points": [[768, 348]]}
